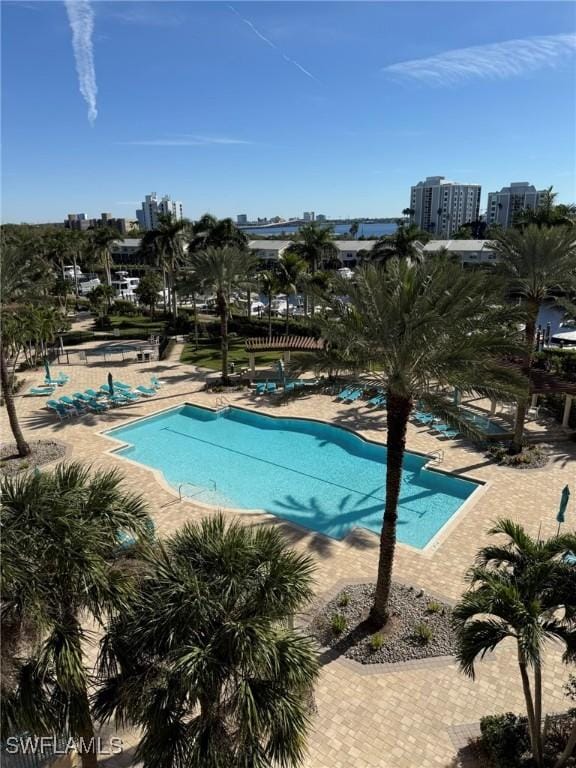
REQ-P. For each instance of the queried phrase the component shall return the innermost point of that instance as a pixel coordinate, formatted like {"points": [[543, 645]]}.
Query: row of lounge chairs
{"points": [[434, 424], [98, 401], [49, 386], [351, 394]]}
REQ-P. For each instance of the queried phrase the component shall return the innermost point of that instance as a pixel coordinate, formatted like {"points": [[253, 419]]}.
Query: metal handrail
{"points": [[437, 455], [194, 485]]}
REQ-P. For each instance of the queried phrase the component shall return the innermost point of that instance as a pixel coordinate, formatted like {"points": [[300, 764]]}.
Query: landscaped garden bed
{"points": [[419, 626], [42, 452], [531, 457]]}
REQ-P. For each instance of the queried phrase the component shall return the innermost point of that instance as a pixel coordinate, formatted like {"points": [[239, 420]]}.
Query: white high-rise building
{"points": [[442, 207], [148, 215], [504, 205]]}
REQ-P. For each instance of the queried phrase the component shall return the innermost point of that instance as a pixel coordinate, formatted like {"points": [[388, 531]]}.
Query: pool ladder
{"points": [[222, 403], [437, 456], [193, 485]]}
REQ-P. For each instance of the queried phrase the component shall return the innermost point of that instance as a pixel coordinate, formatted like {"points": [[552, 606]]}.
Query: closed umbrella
{"points": [[47, 369], [561, 516], [111, 384]]}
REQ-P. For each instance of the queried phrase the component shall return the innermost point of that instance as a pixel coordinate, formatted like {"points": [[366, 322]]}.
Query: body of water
{"points": [[314, 474], [370, 230]]}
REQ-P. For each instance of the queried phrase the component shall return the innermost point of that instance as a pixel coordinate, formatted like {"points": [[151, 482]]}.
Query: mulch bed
{"points": [[43, 452], [419, 626]]}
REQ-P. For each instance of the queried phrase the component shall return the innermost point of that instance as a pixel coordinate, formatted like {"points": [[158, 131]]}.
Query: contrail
{"points": [[273, 45], [81, 18], [510, 58]]}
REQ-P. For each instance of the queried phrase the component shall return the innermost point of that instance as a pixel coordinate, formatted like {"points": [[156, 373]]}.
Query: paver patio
{"points": [[398, 718]]}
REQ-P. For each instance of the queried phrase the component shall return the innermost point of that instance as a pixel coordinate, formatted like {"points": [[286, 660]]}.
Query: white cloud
{"points": [[186, 140], [510, 58], [273, 45], [81, 18]]}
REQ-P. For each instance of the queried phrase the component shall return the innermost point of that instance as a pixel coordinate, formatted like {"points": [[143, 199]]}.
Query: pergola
{"points": [[546, 383], [283, 344]]}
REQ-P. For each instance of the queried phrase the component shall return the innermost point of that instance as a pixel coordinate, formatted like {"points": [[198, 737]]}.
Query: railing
{"points": [[222, 402], [437, 456], [193, 485]]}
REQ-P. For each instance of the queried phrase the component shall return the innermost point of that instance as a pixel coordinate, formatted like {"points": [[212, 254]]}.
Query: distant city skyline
{"points": [[273, 108]]}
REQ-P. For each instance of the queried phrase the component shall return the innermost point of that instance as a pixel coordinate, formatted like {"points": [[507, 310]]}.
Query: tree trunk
{"points": [[530, 336], [21, 444], [270, 317], [223, 311], [165, 288], [75, 263], [174, 298], [249, 302], [398, 411], [287, 316], [568, 749], [87, 746], [538, 709], [195, 322], [533, 727]]}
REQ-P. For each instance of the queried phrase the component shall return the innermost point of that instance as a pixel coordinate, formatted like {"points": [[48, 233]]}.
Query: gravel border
{"points": [[43, 452], [410, 608]]}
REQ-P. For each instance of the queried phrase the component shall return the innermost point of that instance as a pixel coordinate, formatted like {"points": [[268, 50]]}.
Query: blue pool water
{"points": [[319, 476]]}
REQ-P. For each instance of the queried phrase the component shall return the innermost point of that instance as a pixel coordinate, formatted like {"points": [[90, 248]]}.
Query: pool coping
{"points": [[428, 550]]}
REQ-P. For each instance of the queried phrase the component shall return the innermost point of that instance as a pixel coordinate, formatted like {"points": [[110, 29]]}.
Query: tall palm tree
{"points": [[223, 269], [167, 240], [522, 589], [21, 274], [291, 269], [314, 245], [403, 243], [61, 567], [537, 263], [270, 285], [205, 662], [548, 213], [417, 329], [218, 233], [101, 241]]}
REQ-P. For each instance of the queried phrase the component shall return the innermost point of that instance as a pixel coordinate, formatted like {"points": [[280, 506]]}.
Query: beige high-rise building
{"points": [[441, 207]]}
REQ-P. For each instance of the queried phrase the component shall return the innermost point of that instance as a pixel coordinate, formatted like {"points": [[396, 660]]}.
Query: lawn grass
{"points": [[209, 355], [138, 322]]}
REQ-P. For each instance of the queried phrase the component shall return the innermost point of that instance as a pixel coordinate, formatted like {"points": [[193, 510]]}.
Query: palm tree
{"points": [[167, 241], [205, 662], [404, 243], [270, 285], [291, 268], [21, 273], [315, 246], [408, 212], [218, 233], [223, 269], [148, 289], [61, 567], [524, 590], [354, 227], [417, 329], [548, 213], [190, 284], [101, 243], [537, 263]]}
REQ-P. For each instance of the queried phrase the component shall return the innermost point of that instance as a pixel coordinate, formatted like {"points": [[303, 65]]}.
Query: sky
{"points": [[274, 108]]}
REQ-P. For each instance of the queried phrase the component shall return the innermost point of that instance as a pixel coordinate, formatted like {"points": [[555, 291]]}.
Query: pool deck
{"points": [[398, 717]]}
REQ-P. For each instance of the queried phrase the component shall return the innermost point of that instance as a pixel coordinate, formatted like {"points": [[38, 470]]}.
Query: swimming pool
{"points": [[322, 477]]}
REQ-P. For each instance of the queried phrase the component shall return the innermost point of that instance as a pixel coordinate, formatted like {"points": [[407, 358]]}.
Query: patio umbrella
{"points": [[560, 517], [111, 384], [47, 369]]}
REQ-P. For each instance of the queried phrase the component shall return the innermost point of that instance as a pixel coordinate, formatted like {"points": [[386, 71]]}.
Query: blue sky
{"points": [[272, 108]]}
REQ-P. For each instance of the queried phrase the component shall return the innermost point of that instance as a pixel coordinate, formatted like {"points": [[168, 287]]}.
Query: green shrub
{"points": [[126, 308], [434, 607], [338, 623], [344, 599], [377, 641], [423, 633], [504, 739]]}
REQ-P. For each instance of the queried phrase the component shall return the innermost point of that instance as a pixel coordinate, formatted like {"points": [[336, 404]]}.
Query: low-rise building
{"points": [[269, 250], [351, 251], [469, 252]]}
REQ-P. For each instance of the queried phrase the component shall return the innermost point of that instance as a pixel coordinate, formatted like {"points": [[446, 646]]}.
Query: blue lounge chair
{"points": [[122, 385], [94, 394], [377, 400], [345, 393], [156, 383], [69, 402], [146, 391], [271, 386], [444, 429], [130, 396], [83, 398], [38, 391], [117, 399], [354, 395], [423, 418], [62, 411], [97, 407]]}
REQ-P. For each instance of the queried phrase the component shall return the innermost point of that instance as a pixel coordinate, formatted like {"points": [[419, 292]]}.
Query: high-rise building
{"points": [[442, 207], [241, 219], [148, 215], [308, 216], [320, 217], [504, 205]]}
